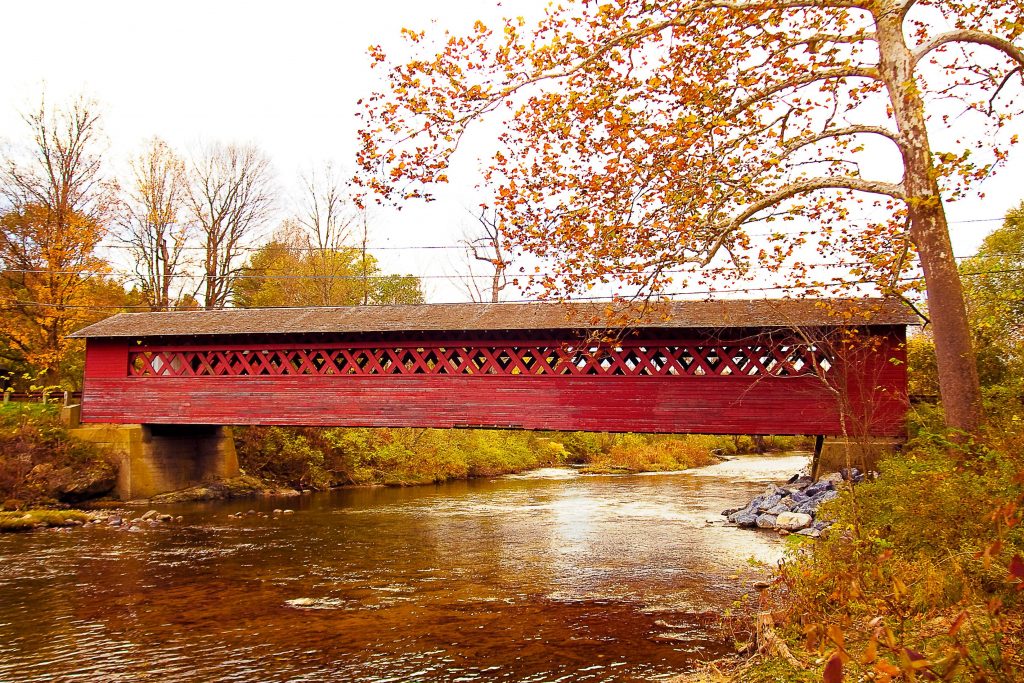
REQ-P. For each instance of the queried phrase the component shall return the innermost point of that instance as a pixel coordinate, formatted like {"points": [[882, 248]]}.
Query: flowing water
{"points": [[548, 576]]}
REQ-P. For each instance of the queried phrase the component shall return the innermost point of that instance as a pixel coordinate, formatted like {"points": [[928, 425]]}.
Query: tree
{"points": [[325, 211], [285, 272], [153, 225], [994, 284], [57, 207], [640, 136], [488, 247], [230, 197]]}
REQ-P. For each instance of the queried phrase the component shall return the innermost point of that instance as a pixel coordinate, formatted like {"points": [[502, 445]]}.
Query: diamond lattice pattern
{"points": [[638, 360]]}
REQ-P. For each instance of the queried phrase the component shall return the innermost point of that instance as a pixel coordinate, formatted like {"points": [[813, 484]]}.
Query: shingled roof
{"points": [[523, 316]]}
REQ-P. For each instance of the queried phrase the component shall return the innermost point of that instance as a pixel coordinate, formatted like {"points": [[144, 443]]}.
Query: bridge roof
{"points": [[728, 313]]}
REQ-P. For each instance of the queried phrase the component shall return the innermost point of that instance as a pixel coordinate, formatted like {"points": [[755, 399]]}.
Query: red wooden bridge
{"points": [[727, 367]]}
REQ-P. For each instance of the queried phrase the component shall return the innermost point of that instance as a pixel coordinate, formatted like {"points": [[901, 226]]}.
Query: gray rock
{"points": [[822, 524], [769, 502], [835, 479], [816, 488], [793, 521], [745, 520], [827, 496], [725, 513], [777, 510], [115, 521], [810, 532], [765, 521], [754, 503], [73, 484]]}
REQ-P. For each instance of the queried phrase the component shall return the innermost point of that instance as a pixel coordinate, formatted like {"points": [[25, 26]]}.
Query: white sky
{"points": [[285, 75]]}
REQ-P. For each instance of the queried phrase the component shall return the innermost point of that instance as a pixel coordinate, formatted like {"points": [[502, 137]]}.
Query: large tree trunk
{"points": [[957, 367]]}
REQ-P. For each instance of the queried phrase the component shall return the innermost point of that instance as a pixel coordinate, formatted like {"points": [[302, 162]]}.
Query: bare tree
{"points": [[364, 261], [325, 212], [230, 197], [487, 246], [324, 218], [63, 172], [152, 223]]}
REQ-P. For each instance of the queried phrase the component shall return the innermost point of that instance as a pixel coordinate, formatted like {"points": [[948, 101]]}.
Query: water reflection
{"points": [[538, 578]]}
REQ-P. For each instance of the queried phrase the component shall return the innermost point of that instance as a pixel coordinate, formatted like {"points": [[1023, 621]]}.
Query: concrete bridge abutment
{"points": [[155, 459]]}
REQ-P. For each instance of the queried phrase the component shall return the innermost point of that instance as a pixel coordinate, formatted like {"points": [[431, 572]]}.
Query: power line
{"points": [[462, 247], [483, 276], [689, 293]]}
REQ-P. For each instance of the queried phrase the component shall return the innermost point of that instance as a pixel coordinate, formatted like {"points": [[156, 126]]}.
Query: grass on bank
{"points": [[920, 578], [323, 458], [26, 520]]}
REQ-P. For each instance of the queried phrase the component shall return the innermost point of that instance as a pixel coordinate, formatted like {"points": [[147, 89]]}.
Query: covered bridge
{"points": [[724, 367]]}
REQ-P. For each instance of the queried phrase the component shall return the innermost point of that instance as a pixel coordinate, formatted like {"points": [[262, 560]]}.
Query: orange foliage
{"points": [[640, 139]]}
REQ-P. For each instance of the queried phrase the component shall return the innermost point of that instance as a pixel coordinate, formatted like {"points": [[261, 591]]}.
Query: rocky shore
{"points": [[792, 507]]}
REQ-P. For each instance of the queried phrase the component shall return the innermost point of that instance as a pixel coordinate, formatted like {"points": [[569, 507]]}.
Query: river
{"points": [[547, 576]]}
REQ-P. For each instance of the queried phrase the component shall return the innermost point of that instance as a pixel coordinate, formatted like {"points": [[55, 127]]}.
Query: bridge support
{"points": [[833, 453], [155, 459]]}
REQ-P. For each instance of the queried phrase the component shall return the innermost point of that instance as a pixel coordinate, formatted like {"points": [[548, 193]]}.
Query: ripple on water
{"points": [[541, 578]]}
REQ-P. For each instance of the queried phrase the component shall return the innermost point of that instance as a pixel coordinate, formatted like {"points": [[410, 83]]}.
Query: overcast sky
{"points": [[285, 75]]}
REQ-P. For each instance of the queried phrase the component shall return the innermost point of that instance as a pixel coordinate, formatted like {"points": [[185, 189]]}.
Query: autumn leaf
{"points": [[1017, 571], [833, 670]]}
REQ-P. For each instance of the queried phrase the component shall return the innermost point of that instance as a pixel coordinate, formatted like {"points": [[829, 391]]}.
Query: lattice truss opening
{"points": [[635, 360]]}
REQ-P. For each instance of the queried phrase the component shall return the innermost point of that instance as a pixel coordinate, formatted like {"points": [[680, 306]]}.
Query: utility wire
{"points": [[690, 293], [461, 247], [481, 276]]}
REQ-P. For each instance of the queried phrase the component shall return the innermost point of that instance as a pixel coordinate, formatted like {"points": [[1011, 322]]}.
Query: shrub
{"points": [[36, 451]]}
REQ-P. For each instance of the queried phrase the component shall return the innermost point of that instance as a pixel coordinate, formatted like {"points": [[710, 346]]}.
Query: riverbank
{"points": [[43, 467], [321, 459], [920, 578]]}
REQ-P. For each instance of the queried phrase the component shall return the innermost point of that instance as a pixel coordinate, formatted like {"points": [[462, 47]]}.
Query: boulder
{"points": [[769, 502], [793, 521], [827, 496], [765, 521], [744, 519], [810, 532], [71, 484], [799, 497], [149, 515], [835, 479], [777, 510]]}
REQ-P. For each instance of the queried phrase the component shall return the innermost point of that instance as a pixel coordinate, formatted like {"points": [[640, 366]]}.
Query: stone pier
{"points": [[863, 453], [155, 459]]}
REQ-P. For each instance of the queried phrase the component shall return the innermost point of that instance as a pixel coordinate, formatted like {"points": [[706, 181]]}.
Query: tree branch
{"points": [[970, 36], [801, 81], [803, 141], [799, 187]]}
